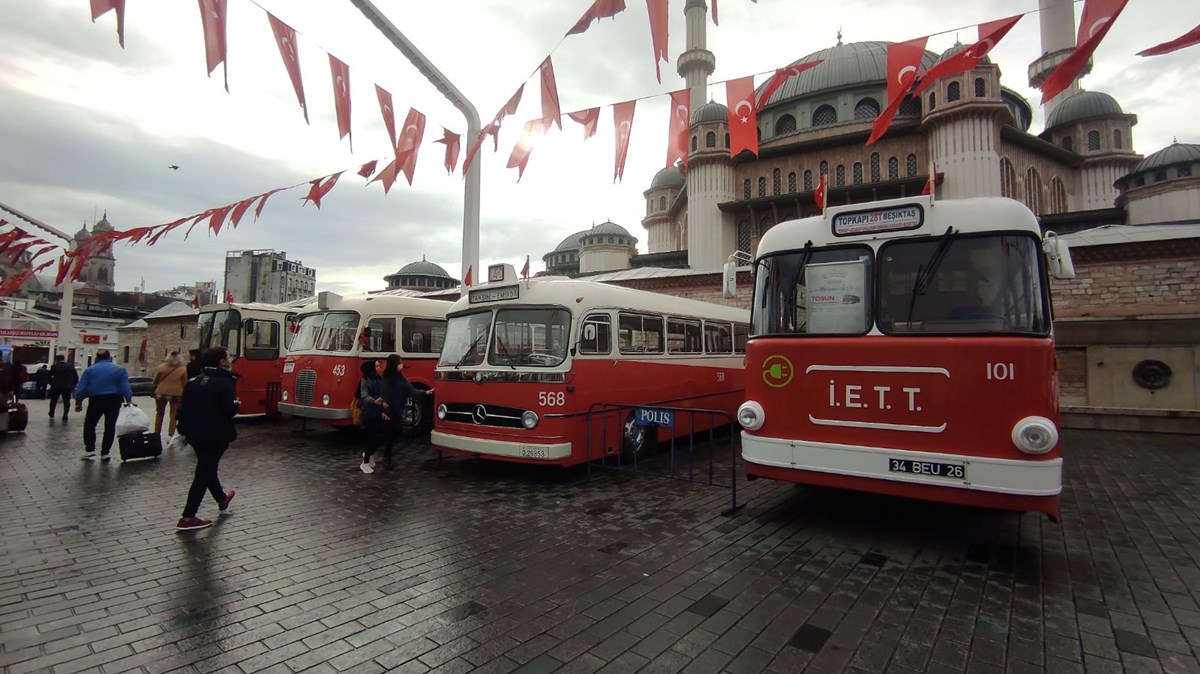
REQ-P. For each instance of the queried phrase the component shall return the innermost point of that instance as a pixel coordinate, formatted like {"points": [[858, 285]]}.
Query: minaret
{"points": [[1058, 40], [711, 236]]}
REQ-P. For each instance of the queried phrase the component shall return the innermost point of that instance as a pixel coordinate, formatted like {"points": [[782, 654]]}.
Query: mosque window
{"points": [[911, 166], [792, 182], [662, 203], [695, 143], [763, 226], [841, 175], [746, 189], [1008, 179], [1160, 176], [1058, 196], [858, 173], [610, 240], [710, 139], [743, 234], [953, 92], [874, 167], [893, 168], [1116, 139], [932, 100], [911, 107], [1183, 172], [867, 108], [1066, 143], [1033, 190], [980, 88], [824, 116], [102, 274], [762, 187], [776, 182], [1093, 140], [786, 124], [726, 140], [808, 181], [824, 168]]}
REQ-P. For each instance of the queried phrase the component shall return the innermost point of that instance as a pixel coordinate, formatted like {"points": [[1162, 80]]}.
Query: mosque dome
{"points": [[668, 177], [608, 228], [424, 268], [571, 242], [710, 112], [845, 65], [1172, 155], [1083, 105]]}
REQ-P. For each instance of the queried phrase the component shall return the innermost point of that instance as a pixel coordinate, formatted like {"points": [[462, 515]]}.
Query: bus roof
{"points": [[582, 296], [899, 218], [255, 306], [368, 304]]}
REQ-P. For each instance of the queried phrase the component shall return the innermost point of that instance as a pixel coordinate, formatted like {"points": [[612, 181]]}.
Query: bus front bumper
{"points": [[313, 412], [1019, 477], [515, 450]]}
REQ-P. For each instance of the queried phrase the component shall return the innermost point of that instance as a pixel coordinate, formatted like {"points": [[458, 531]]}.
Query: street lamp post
{"points": [[68, 296], [470, 244]]}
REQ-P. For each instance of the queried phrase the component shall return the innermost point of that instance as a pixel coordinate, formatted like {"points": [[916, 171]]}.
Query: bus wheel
{"points": [[412, 414], [636, 441]]}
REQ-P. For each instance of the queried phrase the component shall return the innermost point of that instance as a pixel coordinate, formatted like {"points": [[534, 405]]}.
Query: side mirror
{"points": [[729, 280], [1058, 256]]}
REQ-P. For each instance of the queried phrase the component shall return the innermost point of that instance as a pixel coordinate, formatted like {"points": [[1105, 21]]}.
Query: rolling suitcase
{"points": [[18, 416], [147, 445]]}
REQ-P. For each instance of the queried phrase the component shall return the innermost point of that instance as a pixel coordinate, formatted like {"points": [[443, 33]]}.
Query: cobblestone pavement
{"points": [[467, 566]]}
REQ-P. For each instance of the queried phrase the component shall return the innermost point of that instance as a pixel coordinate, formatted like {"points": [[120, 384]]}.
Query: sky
{"points": [[88, 128]]}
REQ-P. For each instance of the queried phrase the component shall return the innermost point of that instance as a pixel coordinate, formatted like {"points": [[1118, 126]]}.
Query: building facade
{"points": [[266, 276]]}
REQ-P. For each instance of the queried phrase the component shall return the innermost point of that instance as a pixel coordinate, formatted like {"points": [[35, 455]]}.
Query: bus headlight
{"points": [[1035, 435], [441, 411], [529, 420], [751, 416], [325, 400], [285, 396]]}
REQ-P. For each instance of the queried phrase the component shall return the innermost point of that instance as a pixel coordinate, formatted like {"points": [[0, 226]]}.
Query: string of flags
{"points": [[905, 80]]}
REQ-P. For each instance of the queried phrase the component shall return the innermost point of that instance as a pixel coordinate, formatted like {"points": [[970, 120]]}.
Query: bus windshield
{"points": [[531, 337], [974, 284], [333, 331], [466, 339], [814, 291], [219, 328]]}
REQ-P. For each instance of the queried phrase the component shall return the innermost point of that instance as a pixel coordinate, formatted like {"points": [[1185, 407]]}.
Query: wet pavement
{"points": [[461, 566]]}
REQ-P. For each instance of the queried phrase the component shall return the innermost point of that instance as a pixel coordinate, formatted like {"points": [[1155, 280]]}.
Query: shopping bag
{"points": [[132, 420]]}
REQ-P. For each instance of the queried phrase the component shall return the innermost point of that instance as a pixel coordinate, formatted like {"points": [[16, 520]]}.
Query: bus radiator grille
{"points": [[306, 384], [484, 415]]}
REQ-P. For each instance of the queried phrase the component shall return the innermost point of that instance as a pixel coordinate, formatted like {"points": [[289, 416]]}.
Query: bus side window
{"points": [[596, 336], [740, 335]]}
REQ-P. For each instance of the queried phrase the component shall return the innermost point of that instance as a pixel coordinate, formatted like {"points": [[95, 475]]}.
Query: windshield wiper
{"points": [[504, 350], [925, 273], [471, 347]]}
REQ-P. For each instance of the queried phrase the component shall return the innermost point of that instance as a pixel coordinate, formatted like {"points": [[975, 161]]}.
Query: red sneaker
{"points": [[189, 523], [224, 507]]}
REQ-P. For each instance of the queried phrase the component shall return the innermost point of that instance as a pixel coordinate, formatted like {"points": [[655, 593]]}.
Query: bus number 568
{"points": [[552, 398]]}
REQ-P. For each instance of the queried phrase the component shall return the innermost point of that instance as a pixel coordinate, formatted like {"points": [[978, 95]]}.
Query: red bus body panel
{"points": [[258, 384], [336, 375]]}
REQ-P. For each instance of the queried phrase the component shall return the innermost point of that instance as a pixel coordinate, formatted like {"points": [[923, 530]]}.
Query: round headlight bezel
{"points": [[1026, 433], [325, 400], [285, 396], [750, 416], [529, 419], [441, 411]]}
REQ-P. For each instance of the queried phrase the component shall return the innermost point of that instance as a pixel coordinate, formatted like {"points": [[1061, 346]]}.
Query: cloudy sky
{"points": [[87, 127]]}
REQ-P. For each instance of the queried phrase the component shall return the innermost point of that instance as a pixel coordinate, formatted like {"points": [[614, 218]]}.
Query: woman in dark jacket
{"points": [[370, 406], [397, 395]]}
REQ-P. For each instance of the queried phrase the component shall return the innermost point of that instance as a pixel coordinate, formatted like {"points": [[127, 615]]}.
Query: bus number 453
{"points": [[552, 398]]}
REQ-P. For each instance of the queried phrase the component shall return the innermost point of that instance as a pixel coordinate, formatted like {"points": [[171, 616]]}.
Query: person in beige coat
{"points": [[168, 390]]}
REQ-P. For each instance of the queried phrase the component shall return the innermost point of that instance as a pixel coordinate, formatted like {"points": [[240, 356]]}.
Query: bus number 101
{"points": [[1001, 371]]}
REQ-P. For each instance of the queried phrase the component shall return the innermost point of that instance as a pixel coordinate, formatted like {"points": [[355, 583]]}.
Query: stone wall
{"points": [[169, 334]]}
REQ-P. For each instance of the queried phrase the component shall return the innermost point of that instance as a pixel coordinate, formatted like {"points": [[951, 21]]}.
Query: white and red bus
{"points": [[904, 347], [255, 335], [335, 334], [525, 362]]}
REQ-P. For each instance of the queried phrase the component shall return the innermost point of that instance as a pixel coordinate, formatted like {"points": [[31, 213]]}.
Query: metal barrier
{"points": [[636, 430]]}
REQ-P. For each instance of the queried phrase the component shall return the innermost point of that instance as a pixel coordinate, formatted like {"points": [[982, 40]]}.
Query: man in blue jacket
{"points": [[106, 386]]}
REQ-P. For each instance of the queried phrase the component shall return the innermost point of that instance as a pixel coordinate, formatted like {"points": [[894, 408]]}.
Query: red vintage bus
{"points": [[255, 335], [526, 361], [335, 334], [905, 347]]}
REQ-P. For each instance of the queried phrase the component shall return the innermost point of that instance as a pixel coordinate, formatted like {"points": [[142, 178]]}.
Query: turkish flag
{"points": [[467, 280], [340, 73], [389, 114], [1188, 39], [990, 34], [1098, 17], [320, 187], [196, 301], [212, 17], [218, 218], [164, 229], [714, 2], [285, 37], [524, 147], [262, 201], [743, 121], [451, 141], [387, 175], [819, 193], [677, 132], [525, 269], [101, 7], [551, 114], [410, 143], [239, 210], [588, 118], [904, 58], [600, 9], [623, 122], [368, 169], [777, 80], [228, 297], [657, 9], [932, 182], [493, 129], [90, 339]]}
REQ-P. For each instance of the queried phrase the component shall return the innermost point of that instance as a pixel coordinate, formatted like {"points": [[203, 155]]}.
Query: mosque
{"points": [[1133, 221]]}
